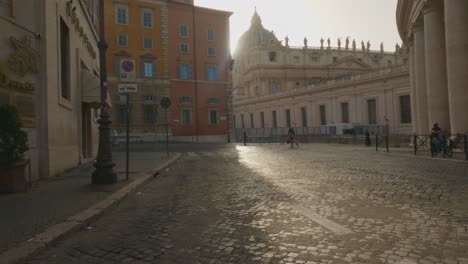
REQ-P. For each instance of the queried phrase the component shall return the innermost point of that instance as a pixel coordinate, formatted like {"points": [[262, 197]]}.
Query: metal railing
{"points": [[447, 144], [376, 136]]}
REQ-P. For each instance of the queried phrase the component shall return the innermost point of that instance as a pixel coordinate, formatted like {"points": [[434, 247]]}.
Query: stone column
{"points": [[456, 26], [436, 65], [420, 78], [414, 119]]}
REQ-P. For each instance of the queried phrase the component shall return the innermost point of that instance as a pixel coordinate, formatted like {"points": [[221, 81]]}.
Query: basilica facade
{"points": [[276, 85]]}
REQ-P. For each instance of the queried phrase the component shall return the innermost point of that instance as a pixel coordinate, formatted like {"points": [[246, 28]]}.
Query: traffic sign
{"points": [[165, 102], [127, 70], [126, 88]]}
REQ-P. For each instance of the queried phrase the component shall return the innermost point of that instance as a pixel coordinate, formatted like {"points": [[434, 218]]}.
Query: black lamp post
{"points": [[104, 173]]}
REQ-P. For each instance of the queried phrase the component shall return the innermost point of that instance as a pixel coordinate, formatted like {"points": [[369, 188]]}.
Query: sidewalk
{"points": [[50, 201]]}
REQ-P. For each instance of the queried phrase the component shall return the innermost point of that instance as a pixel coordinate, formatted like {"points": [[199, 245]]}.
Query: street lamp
{"points": [[104, 173]]}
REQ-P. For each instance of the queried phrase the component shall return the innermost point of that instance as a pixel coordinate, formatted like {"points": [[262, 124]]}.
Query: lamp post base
{"points": [[104, 174]]}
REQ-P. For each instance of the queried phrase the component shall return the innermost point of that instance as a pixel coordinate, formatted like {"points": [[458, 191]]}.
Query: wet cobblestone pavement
{"points": [[272, 204]]}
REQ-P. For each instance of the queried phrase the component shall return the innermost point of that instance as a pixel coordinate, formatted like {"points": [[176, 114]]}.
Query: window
{"points": [[122, 40], [323, 117], [273, 87], [149, 115], [149, 98], [183, 30], [335, 59], [185, 71], [405, 109], [185, 99], [211, 73], [123, 115], [272, 56], [149, 70], [121, 16], [184, 48], [288, 118], [296, 59], [262, 120], [372, 111], [147, 43], [213, 100], [65, 60], [123, 98], [304, 117], [186, 117], [234, 124], [211, 51], [210, 34], [314, 59], [252, 121], [344, 113], [213, 118], [147, 18], [242, 121], [273, 115]]}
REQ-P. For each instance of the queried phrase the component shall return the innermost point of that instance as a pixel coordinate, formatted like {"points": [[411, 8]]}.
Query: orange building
{"points": [[199, 60], [136, 32]]}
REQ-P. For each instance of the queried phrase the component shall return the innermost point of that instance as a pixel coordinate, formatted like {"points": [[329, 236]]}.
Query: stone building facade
{"points": [[199, 61], [436, 31], [177, 50], [49, 69], [137, 34], [278, 86]]}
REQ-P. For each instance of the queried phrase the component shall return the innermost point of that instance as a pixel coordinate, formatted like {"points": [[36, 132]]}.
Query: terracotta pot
{"points": [[12, 177]]}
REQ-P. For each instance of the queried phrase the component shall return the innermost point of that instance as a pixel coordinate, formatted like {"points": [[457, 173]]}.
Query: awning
{"points": [[91, 89]]}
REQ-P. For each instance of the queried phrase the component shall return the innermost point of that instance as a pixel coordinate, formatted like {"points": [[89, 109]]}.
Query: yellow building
{"points": [[136, 34]]}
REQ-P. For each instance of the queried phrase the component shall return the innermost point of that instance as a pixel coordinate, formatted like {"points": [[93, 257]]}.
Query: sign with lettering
{"points": [[125, 88], [127, 70], [71, 13]]}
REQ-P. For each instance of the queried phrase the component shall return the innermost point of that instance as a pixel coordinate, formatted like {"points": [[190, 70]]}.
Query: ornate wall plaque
{"points": [[24, 59]]}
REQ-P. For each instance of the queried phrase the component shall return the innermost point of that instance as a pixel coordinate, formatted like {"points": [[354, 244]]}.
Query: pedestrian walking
{"points": [[367, 140], [115, 137], [245, 138]]}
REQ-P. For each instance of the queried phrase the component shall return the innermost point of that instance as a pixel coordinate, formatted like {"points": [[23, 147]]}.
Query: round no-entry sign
{"points": [[165, 102], [127, 66]]}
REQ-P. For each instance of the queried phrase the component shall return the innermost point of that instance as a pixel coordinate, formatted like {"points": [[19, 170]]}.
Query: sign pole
{"points": [[166, 103], [128, 138], [167, 136]]}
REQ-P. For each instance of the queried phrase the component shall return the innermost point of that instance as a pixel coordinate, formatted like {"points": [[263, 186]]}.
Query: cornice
{"points": [[309, 90], [408, 16]]}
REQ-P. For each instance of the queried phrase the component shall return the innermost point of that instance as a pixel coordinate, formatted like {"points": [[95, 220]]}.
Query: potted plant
{"points": [[13, 144]]}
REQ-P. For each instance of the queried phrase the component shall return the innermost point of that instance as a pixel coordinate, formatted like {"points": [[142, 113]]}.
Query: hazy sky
{"points": [[372, 20]]}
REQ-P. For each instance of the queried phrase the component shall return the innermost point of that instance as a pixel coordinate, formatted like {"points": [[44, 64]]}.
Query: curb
{"points": [[79, 220]]}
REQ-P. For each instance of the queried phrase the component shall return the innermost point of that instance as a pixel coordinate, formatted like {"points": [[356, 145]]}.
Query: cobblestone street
{"points": [[272, 204]]}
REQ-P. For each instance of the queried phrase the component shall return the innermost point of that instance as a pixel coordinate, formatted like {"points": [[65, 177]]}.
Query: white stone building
{"points": [[277, 86], [49, 69]]}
